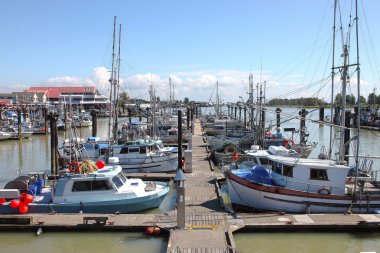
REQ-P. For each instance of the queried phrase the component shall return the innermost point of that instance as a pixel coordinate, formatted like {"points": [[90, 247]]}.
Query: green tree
{"points": [[186, 100], [362, 100], [338, 99]]}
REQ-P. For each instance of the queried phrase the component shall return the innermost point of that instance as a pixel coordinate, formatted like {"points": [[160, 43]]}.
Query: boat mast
{"points": [[343, 112], [332, 82], [116, 91], [111, 80], [217, 112], [251, 99], [359, 102]]}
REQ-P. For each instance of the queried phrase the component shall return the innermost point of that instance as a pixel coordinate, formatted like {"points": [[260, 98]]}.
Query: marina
{"points": [[205, 218], [291, 165]]}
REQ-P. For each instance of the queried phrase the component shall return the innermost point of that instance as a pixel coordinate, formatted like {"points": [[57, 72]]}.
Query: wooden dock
{"points": [[208, 226]]}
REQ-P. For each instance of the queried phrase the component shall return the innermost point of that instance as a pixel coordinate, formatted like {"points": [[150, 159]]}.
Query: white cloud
{"points": [[196, 85]]}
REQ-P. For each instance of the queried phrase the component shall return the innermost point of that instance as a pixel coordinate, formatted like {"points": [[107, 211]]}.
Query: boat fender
{"points": [[324, 191], [74, 166]]}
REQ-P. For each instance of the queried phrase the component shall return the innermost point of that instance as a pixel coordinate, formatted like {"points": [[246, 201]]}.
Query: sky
{"points": [[285, 44]]}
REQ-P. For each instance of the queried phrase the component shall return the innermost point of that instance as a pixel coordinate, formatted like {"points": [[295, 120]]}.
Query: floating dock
{"points": [[208, 226]]}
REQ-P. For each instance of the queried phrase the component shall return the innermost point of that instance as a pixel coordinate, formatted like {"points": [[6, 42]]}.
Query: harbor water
{"points": [[33, 155]]}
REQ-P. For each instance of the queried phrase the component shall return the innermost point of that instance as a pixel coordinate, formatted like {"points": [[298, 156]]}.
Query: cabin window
{"points": [[124, 150], [98, 185], [103, 151], [119, 180], [133, 150], [142, 150], [287, 170], [264, 161], [277, 167], [318, 174]]}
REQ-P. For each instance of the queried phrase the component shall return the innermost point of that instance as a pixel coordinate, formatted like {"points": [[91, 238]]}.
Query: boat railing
{"points": [[302, 186], [227, 159]]}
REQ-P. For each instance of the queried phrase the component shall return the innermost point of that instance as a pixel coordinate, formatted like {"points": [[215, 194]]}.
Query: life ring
{"points": [[74, 166], [324, 191]]}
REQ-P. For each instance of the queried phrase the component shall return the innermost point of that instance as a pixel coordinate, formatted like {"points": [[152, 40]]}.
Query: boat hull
{"points": [[261, 197], [130, 205], [149, 165]]}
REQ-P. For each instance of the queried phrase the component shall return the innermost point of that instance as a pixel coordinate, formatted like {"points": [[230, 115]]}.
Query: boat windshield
{"points": [[119, 180]]}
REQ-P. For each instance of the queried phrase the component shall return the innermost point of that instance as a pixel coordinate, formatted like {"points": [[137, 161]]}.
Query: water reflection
{"points": [[81, 242], [307, 242]]}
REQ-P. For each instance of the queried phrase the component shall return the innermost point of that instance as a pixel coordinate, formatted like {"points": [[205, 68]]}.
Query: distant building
{"points": [[7, 99], [85, 96]]}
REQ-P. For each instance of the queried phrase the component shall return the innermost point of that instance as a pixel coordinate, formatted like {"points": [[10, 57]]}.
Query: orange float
{"points": [[153, 230]]}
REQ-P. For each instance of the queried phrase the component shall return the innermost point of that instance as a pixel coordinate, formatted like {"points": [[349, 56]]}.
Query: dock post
{"points": [[188, 118], [303, 114], [192, 120], [239, 113], [65, 117], [54, 143], [179, 139], [278, 119], [94, 114], [235, 112], [45, 113], [19, 125], [336, 115], [321, 114]]}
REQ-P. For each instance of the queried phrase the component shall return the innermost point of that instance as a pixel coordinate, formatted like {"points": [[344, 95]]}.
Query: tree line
{"points": [[350, 100]]}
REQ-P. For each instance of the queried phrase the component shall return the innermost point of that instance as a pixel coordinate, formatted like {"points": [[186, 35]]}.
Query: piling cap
{"points": [[179, 176]]}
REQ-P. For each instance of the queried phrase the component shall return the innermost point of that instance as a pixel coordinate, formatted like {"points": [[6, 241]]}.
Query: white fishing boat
{"points": [[25, 133], [5, 135], [140, 155], [88, 190], [81, 121], [300, 185]]}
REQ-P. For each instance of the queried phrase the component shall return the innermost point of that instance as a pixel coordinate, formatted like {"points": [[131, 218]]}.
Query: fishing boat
{"points": [[300, 185], [82, 121], [140, 155], [5, 135], [304, 185], [86, 190], [25, 133], [146, 155]]}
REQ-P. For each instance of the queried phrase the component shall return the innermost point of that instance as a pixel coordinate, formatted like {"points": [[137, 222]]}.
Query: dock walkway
{"points": [[208, 227]]}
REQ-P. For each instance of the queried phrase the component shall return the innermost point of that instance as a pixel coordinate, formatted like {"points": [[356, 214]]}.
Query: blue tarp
{"points": [[256, 174], [101, 146]]}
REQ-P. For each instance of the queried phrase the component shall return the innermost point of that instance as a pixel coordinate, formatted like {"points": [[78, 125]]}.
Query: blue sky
{"points": [[197, 43]]}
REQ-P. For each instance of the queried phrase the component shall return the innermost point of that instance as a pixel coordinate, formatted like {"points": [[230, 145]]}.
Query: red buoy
{"points": [[23, 208], [236, 156], [2, 201], [28, 198], [100, 164], [15, 203]]}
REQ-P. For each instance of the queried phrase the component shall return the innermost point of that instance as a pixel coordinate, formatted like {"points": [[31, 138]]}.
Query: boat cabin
{"points": [[309, 175]]}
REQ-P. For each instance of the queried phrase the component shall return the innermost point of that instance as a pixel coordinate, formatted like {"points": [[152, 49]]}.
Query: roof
{"points": [[56, 91]]}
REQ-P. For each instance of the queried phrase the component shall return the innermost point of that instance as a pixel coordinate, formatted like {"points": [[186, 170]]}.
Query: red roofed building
{"points": [[84, 95]]}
